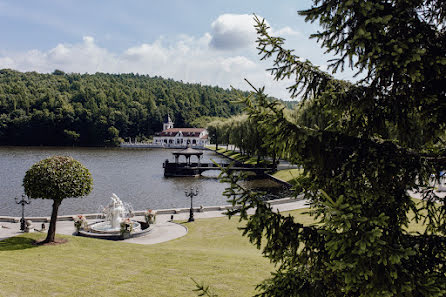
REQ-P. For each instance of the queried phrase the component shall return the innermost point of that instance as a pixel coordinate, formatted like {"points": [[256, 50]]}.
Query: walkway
{"points": [[163, 230]]}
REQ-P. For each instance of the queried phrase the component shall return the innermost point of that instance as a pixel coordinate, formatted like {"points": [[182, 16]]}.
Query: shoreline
{"points": [[167, 211], [10, 215]]}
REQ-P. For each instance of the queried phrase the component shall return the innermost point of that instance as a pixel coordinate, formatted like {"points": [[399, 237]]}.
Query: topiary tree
{"points": [[57, 178]]}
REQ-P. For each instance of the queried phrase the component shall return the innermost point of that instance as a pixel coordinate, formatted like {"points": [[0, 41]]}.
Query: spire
{"points": [[167, 123], [167, 119]]}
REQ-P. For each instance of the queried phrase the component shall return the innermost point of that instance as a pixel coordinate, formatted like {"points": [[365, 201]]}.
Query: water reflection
{"points": [[135, 175]]}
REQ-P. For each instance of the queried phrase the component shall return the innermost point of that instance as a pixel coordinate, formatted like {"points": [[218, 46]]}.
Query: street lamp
{"points": [[23, 202], [191, 193]]}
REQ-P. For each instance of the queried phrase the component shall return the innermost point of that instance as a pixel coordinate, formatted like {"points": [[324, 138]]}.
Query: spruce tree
{"points": [[383, 138]]}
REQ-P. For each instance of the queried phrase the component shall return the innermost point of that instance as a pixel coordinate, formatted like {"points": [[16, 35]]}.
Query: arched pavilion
{"points": [[188, 153]]}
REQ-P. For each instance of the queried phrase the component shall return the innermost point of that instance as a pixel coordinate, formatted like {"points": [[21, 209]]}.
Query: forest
{"points": [[101, 109]]}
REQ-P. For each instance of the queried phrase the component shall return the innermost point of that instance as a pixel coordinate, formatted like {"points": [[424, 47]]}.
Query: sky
{"points": [[197, 41]]}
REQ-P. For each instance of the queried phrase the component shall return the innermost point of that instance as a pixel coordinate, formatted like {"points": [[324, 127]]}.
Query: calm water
{"points": [[135, 175]]}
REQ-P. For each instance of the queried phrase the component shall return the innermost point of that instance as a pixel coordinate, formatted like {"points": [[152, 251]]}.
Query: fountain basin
{"points": [[107, 228], [116, 214], [142, 229]]}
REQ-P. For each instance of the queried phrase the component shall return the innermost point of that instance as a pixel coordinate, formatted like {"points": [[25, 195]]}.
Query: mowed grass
{"points": [[236, 156], [288, 175], [213, 252]]}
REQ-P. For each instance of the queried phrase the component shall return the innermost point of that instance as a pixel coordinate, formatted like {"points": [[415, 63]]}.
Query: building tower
{"points": [[167, 123]]}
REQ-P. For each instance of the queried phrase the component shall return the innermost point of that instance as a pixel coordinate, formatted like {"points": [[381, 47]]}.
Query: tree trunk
{"points": [[216, 141], [52, 228], [274, 158]]}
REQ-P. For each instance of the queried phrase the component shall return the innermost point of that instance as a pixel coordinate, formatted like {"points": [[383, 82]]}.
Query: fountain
{"points": [[117, 223], [115, 212]]}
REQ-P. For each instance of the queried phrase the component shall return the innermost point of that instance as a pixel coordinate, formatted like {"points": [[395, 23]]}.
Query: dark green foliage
{"points": [[372, 142], [57, 178], [99, 109], [240, 131], [205, 120]]}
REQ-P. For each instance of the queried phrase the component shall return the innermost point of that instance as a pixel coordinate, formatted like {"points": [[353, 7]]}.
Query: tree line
{"points": [[243, 133], [100, 109], [248, 135]]}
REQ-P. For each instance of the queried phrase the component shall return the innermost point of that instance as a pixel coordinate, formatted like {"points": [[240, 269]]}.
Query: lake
{"points": [[135, 175]]}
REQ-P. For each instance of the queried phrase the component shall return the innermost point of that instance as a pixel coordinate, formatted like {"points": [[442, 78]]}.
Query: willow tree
{"points": [[57, 178], [214, 129], [384, 139]]}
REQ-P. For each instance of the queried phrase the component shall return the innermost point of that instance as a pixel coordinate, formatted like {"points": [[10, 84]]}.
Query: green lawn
{"points": [[288, 175], [213, 252], [238, 156]]}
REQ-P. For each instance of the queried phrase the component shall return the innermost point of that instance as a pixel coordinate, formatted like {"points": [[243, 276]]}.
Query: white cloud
{"points": [[286, 31], [233, 31], [236, 31], [184, 57], [239, 62], [6, 62]]}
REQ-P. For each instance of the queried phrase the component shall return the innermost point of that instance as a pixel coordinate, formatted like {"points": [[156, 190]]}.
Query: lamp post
{"points": [[23, 202], [191, 193]]}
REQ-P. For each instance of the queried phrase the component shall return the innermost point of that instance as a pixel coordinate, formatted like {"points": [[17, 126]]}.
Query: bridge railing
{"points": [[168, 164]]}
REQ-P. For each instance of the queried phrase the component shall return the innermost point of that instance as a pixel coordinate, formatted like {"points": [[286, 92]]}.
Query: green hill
{"points": [[99, 109]]}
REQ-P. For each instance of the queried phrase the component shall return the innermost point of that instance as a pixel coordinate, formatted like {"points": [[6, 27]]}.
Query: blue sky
{"points": [[208, 42]]}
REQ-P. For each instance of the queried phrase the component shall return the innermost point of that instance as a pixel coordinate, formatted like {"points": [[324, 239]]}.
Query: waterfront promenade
{"points": [[164, 230]]}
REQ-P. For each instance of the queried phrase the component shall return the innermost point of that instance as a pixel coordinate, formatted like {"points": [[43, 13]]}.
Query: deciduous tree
{"points": [[57, 178]]}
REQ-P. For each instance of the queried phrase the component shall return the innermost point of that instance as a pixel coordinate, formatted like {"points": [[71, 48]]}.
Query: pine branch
{"points": [[310, 81], [203, 290]]}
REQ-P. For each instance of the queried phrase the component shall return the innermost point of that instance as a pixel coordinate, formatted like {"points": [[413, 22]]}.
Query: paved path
{"points": [[163, 230], [441, 195]]}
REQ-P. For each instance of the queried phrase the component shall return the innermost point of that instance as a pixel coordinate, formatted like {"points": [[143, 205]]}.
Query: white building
{"points": [[179, 137]]}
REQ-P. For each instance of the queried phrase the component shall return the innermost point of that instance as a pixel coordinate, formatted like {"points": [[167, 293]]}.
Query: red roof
{"points": [[187, 132], [199, 130]]}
